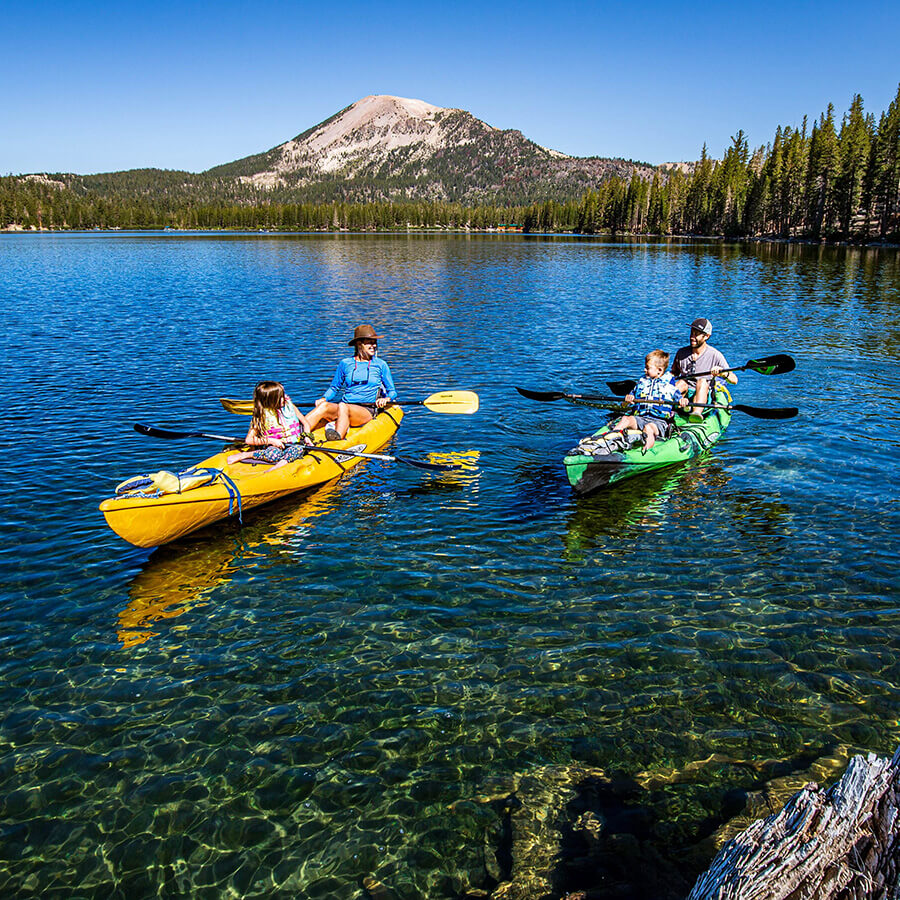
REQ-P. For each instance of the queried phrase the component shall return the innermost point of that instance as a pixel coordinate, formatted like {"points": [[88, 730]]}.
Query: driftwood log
{"points": [[836, 844]]}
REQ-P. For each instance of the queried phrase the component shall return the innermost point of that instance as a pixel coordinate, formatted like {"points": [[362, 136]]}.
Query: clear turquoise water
{"points": [[325, 693]]}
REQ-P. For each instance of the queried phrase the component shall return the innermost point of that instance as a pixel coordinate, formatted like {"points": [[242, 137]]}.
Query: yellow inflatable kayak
{"points": [[149, 517]]}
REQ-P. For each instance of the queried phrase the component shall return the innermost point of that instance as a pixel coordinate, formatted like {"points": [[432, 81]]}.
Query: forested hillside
{"points": [[828, 180]]}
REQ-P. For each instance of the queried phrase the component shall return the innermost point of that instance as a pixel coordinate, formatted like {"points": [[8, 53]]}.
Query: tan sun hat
{"points": [[363, 333]]}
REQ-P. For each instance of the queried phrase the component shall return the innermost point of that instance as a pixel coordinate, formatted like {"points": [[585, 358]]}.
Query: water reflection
{"points": [[182, 576], [642, 503], [343, 684], [172, 582], [705, 488]]}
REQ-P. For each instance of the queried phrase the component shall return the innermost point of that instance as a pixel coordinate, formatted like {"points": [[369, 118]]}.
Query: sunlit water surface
{"points": [[333, 690]]}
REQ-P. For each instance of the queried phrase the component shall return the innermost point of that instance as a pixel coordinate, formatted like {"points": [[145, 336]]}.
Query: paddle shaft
{"points": [[757, 412], [166, 434], [778, 364], [450, 402]]}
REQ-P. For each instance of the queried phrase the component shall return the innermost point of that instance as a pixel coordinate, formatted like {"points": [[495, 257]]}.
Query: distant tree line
{"points": [[818, 182], [35, 204], [827, 181]]}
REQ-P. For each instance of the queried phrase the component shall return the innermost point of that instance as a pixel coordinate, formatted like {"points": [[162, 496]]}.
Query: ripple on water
{"points": [[349, 684]]}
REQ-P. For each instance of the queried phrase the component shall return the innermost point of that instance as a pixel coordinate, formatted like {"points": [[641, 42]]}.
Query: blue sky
{"points": [[92, 87]]}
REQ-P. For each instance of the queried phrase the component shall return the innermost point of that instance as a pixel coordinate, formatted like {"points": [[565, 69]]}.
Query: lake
{"points": [[379, 687]]}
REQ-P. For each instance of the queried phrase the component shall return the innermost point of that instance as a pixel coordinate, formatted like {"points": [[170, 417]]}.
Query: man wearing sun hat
{"points": [[699, 356]]}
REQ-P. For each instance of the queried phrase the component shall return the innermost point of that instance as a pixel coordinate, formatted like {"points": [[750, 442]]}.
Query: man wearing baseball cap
{"points": [[700, 356]]}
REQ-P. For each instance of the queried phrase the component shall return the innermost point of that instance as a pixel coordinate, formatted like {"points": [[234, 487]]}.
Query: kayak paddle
{"points": [[166, 434], [758, 412], [777, 364], [452, 402]]}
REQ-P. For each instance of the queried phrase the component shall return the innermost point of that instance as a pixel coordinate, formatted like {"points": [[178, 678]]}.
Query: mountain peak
{"points": [[378, 120], [376, 105], [383, 146]]}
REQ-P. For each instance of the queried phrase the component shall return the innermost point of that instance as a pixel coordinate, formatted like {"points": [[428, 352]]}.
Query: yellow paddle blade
{"points": [[240, 407], [451, 402]]}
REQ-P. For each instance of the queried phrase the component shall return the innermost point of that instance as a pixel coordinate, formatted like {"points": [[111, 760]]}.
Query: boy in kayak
{"points": [[654, 419], [361, 387], [278, 428], [699, 356]]}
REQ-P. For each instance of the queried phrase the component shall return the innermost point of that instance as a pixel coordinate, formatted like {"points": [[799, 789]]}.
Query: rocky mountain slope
{"points": [[385, 147], [379, 148]]}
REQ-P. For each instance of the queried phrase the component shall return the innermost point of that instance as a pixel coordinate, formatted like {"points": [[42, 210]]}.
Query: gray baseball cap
{"points": [[702, 325]]}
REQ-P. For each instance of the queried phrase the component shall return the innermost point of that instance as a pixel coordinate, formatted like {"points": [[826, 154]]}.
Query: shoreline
{"points": [[436, 229]]}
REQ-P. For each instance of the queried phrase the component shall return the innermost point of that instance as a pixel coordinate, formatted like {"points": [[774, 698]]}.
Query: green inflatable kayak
{"points": [[593, 464]]}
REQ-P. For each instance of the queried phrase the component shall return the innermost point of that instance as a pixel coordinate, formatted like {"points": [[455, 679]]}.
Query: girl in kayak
{"points": [[277, 427], [361, 386], [653, 419]]}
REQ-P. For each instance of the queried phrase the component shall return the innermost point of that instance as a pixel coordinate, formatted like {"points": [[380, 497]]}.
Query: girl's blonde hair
{"points": [[268, 396]]}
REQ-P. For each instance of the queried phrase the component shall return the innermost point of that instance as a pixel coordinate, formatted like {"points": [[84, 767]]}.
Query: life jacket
{"points": [[662, 388], [283, 425]]}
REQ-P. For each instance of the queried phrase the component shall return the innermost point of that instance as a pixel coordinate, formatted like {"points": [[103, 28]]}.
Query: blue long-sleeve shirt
{"points": [[358, 381]]}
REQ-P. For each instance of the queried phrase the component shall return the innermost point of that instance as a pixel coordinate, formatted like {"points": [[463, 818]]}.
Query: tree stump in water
{"points": [[839, 844]]}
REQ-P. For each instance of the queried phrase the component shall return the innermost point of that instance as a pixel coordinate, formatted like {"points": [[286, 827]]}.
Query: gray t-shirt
{"points": [[685, 365]]}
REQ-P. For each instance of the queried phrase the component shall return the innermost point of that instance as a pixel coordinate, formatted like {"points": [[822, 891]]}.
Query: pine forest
{"points": [[828, 180]]}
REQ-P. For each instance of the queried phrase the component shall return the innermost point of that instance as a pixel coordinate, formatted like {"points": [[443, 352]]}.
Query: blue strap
{"points": [[234, 494]]}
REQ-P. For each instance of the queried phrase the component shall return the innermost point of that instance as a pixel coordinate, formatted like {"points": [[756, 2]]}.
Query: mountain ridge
{"points": [[384, 147], [381, 148]]}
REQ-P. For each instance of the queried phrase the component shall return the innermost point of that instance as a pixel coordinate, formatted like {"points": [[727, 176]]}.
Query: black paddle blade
{"points": [[168, 435], [760, 412], [778, 364], [150, 431], [621, 388], [542, 396]]}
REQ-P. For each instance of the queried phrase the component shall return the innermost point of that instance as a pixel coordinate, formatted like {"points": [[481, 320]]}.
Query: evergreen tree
{"points": [[825, 166], [698, 199], [658, 208], [774, 173], [732, 186], [853, 147], [794, 177], [886, 177], [587, 214]]}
